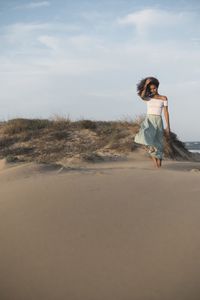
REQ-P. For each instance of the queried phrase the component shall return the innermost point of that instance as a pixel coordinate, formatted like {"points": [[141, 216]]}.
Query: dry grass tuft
{"points": [[58, 138]]}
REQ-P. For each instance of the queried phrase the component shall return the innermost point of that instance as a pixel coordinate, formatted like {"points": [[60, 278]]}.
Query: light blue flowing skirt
{"points": [[151, 135]]}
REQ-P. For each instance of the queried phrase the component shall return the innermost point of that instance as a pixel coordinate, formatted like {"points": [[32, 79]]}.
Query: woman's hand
{"points": [[148, 80]]}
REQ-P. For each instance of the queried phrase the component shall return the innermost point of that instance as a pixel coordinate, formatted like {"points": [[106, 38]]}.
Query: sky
{"points": [[83, 59]]}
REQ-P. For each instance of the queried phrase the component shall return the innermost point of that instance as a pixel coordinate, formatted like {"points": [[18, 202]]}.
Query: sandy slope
{"points": [[121, 231]]}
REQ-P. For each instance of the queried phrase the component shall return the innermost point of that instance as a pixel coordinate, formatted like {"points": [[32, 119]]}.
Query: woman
{"points": [[152, 129]]}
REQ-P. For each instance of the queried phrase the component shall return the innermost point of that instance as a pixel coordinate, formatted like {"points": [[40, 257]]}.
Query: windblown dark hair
{"points": [[140, 86]]}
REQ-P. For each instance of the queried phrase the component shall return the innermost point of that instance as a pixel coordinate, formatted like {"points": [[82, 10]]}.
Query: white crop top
{"points": [[154, 106]]}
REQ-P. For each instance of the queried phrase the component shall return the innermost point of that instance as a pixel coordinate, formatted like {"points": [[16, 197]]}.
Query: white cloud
{"points": [[33, 5], [26, 27], [74, 45], [20, 31], [144, 20], [86, 42], [26, 35], [81, 40], [49, 41]]}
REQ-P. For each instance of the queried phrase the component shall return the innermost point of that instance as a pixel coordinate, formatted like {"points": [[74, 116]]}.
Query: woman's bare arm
{"points": [[144, 89], [166, 114]]}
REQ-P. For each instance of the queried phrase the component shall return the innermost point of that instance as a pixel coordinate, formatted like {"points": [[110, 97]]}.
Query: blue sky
{"points": [[83, 59]]}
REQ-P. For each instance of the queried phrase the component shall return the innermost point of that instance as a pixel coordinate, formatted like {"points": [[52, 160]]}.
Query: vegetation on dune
{"points": [[50, 140]]}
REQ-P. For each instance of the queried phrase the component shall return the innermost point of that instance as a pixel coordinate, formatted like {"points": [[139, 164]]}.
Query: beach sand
{"points": [[100, 231]]}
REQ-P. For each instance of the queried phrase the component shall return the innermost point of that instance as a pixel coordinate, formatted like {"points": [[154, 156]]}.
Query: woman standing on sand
{"points": [[152, 129]]}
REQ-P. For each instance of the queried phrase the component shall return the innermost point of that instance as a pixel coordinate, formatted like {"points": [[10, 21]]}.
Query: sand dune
{"points": [[121, 230]]}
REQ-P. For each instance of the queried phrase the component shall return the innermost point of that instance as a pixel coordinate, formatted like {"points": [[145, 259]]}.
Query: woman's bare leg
{"points": [[159, 162], [155, 161]]}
